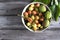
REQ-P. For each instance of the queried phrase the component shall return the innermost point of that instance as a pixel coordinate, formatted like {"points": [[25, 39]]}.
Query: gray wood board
{"points": [[14, 22], [12, 8], [27, 35], [12, 5], [15, 0]]}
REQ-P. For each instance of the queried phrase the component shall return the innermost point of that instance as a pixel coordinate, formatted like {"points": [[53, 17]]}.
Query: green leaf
{"points": [[46, 1], [43, 1], [57, 13], [52, 8], [34, 0], [37, 1]]}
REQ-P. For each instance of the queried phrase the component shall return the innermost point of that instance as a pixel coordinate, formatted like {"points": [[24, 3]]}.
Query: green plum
{"points": [[42, 8], [46, 23], [48, 15]]}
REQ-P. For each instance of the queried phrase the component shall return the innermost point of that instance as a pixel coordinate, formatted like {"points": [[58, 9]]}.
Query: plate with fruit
{"points": [[36, 17]]}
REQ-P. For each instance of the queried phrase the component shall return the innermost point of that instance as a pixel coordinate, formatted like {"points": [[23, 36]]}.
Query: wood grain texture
{"points": [[15, 0], [27, 35], [12, 5], [10, 22], [14, 22], [12, 8]]}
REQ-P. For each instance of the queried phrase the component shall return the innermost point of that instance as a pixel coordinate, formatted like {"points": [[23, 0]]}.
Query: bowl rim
{"points": [[23, 18]]}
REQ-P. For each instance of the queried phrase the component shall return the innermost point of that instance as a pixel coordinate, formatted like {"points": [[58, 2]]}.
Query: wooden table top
{"points": [[11, 27]]}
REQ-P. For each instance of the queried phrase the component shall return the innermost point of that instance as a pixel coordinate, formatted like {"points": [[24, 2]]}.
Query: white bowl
{"points": [[25, 10]]}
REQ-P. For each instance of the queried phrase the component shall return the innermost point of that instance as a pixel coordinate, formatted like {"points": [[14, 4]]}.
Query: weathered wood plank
{"points": [[15, 0], [25, 35], [8, 13], [12, 5], [10, 22], [12, 8], [14, 22], [13, 12]]}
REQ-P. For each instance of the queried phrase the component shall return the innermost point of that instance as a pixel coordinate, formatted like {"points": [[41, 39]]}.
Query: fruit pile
{"points": [[37, 16], [54, 6]]}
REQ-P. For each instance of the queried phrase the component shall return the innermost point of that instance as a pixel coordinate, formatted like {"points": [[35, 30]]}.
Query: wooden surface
{"points": [[27, 35], [11, 27]]}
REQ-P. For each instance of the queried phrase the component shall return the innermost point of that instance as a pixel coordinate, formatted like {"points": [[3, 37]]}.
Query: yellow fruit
{"points": [[31, 8], [36, 21], [32, 5], [39, 25], [37, 17], [34, 26], [28, 24], [32, 17]]}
